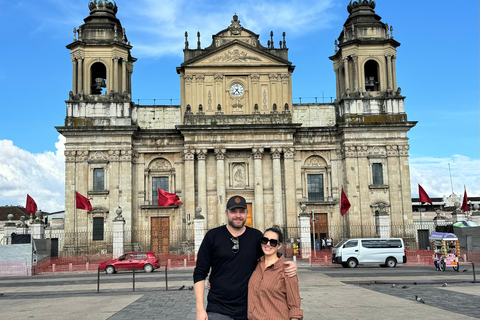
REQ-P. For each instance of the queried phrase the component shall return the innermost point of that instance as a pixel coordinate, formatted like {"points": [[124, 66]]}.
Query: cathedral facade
{"points": [[236, 131]]}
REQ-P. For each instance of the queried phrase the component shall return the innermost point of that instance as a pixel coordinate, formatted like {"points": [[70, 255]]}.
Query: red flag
{"points": [[166, 199], [465, 201], [82, 202], [345, 204], [423, 195], [31, 206]]}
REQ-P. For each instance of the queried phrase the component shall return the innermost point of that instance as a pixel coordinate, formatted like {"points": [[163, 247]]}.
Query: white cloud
{"points": [[158, 27], [433, 175], [42, 176]]}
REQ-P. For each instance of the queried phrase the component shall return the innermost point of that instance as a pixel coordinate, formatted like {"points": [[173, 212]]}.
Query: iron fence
{"points": [[182, 241]]}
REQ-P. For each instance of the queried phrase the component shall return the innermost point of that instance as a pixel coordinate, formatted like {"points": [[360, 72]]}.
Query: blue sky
{"points": [[437, 68]]}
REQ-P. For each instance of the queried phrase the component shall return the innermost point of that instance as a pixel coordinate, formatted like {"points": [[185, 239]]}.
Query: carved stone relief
{"points": [[236, 55], [160, 164], [239, 175]]}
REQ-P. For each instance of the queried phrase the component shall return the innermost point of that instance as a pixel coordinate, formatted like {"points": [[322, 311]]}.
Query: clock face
{"points": [[236, 90]]}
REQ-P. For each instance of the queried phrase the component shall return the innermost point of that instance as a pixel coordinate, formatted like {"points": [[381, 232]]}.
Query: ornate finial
{"points": [[124, 35], [284, 42], [271, 38], [115, 32], [186, 40], [235, 28], [336, 46], [74, 34], [268, 44], [391, 32], [119, 217], [198, 42], [360, 3]]}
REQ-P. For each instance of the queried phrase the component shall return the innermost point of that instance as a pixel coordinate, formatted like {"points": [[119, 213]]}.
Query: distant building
{"points": [[236, 131]]}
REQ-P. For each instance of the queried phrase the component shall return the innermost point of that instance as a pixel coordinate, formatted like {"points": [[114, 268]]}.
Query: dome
{"points": [[102, 5]]}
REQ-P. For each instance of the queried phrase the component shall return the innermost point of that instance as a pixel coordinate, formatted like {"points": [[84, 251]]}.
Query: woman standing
{"points": [[271, 294]]}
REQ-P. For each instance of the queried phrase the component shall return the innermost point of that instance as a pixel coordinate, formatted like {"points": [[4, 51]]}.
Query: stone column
{"points": [[278, 217], [8, 229], [304, 231], [394, 73], [383, 222], [347, 76], [258, 189], [337, 81], [199, 229], [115, 74], [202, 182], [124, 76], [74, 76], [221, 201], [80, 75], [355, 72], [290, 188], [38, 227], [389, 71], [118, 234], [189, 158]]}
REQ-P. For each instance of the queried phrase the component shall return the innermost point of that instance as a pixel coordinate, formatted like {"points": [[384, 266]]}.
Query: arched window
{"points": [[372, 82], [99, 78]]}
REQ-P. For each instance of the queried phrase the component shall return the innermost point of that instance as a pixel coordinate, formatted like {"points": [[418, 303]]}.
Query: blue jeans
{"points": [[218, 316]]}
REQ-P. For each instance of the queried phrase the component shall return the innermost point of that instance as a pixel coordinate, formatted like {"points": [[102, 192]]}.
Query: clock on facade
{"points": [[236, 90]]}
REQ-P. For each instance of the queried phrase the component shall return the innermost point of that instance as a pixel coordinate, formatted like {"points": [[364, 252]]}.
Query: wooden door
{"points": [[321, 225], [249, 222], [160, 235]]}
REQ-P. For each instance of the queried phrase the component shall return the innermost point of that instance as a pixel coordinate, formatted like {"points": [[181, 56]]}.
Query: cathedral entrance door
{"points": [[160, 235], [321, 227]]}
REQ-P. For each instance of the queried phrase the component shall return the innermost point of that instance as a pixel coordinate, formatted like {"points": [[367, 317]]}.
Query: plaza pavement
{"points": [[326, 292]]}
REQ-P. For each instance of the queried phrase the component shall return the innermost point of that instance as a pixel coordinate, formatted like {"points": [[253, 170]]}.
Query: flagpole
{"points": [[75, 225]]}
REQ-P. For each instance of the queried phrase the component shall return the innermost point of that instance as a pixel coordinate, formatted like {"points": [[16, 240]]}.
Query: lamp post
{"points": [[313, 233]]}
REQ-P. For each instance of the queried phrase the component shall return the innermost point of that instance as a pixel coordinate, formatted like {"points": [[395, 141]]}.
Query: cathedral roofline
{"points": [[206, 53]]}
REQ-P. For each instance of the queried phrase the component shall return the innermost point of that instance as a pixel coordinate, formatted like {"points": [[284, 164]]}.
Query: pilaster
{"points": [[258, 189]]}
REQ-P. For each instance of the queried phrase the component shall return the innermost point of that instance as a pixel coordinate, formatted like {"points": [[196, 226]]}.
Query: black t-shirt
{"points": [[230, 271]]}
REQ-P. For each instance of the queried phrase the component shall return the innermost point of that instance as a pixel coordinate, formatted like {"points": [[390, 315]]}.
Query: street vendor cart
{"points": [[446, 250]]}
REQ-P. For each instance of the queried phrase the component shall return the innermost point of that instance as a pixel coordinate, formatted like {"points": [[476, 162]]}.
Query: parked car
{"points": [[147, 261], [384, 252]]}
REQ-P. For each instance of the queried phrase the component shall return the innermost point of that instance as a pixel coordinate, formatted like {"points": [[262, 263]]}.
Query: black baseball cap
{"points": [[236, 202]]}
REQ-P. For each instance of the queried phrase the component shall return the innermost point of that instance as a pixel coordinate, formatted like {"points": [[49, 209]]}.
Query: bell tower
{"points": [[364, 61], [102, 69], [371, 121], [100, 53]]}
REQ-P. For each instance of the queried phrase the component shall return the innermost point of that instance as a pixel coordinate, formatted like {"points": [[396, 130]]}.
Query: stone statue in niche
{"points": [[238, 176]]}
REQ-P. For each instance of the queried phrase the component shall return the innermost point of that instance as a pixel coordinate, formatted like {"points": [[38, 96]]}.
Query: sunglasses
{"points": [[273, 242], [236, 244]]}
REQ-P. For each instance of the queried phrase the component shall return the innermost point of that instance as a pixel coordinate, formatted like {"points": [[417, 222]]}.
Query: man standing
{"points": [[231, 252]]}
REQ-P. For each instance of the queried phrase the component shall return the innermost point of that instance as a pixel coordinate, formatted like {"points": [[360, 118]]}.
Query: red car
{"points": [[147, 261]]}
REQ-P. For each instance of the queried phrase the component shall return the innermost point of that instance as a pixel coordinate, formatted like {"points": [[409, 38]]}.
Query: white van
{"points": [[384, 252]]}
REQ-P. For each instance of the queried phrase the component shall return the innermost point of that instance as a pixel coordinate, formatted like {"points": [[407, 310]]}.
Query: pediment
{"points": [[234, 55]]}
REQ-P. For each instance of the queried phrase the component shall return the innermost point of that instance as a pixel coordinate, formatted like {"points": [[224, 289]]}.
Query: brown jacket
{"points": [[272, 295]]}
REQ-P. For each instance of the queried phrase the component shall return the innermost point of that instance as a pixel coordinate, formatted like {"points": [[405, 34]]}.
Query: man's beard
{"points": [[231, 223]]}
